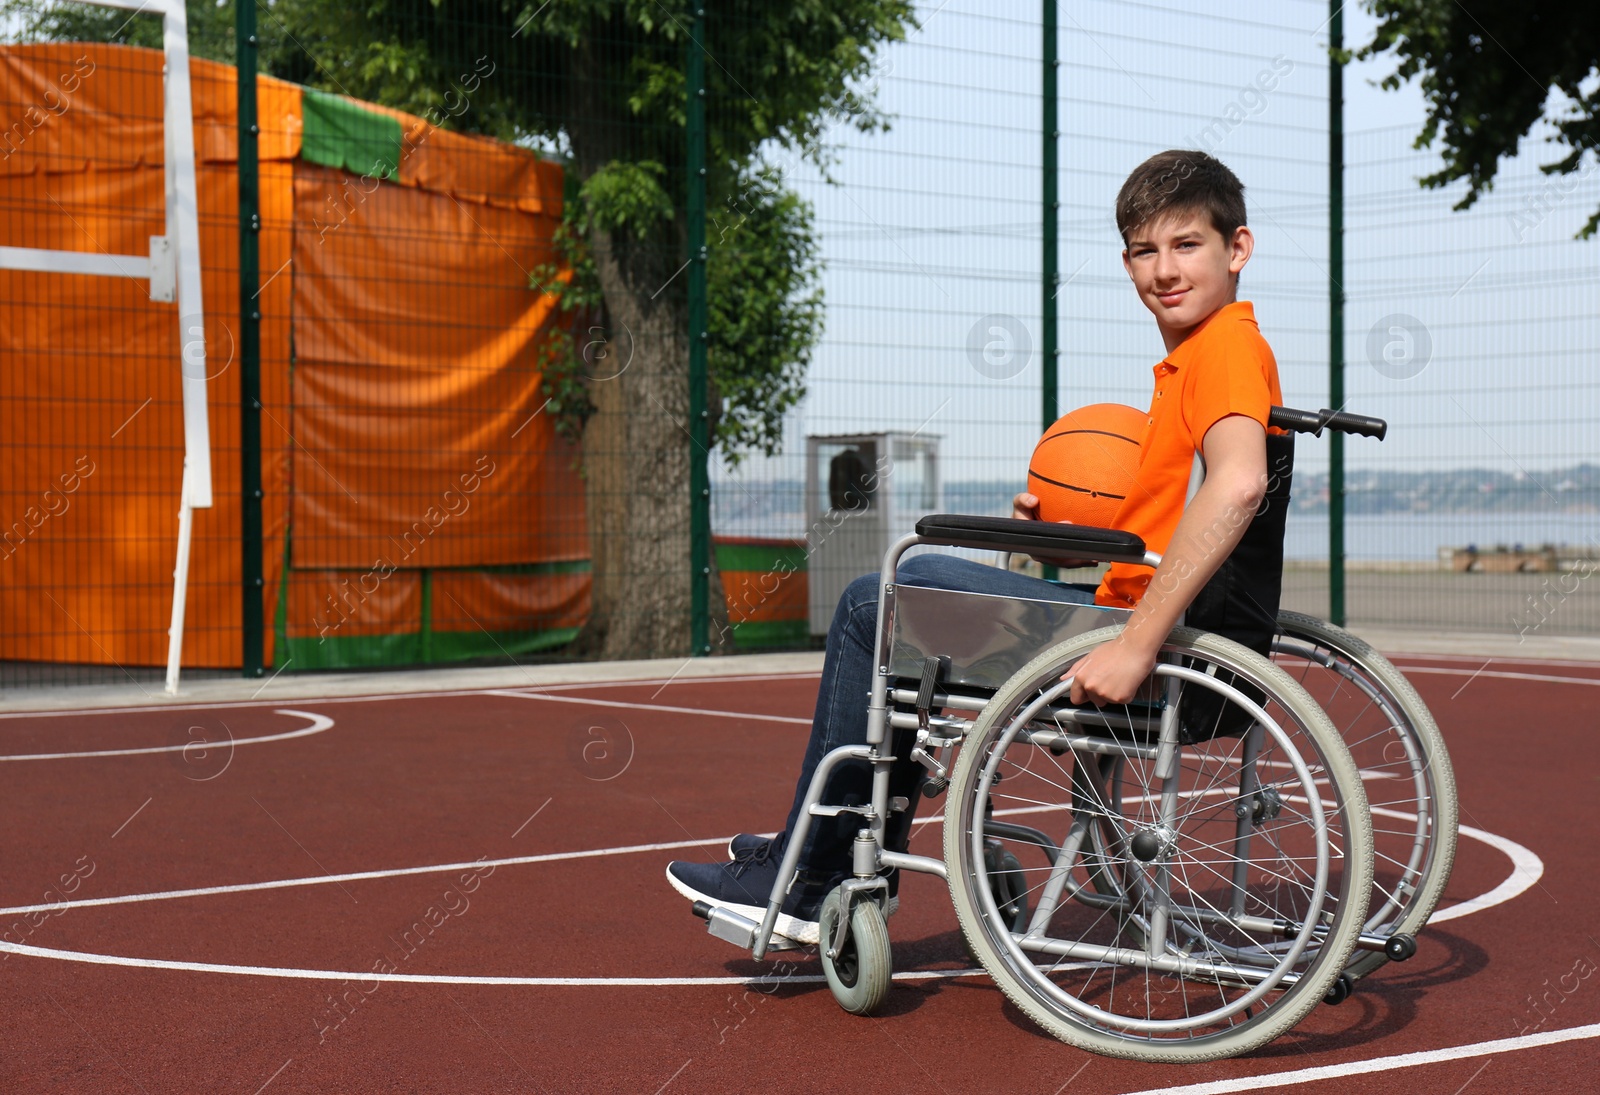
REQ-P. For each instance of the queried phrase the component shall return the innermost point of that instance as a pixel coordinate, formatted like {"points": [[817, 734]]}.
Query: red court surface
{"points": [[193, 918]]}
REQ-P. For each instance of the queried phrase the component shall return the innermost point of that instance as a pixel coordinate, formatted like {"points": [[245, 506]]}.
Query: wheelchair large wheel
{"points": [[1206, 861], [1404, 765]]}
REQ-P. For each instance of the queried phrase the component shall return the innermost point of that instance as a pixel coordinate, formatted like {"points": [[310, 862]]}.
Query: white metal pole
{"points": [[183, 230], [180, 585]]}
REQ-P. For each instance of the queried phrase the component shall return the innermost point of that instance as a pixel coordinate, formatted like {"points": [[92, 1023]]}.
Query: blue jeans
{"points": [[841, 715]]}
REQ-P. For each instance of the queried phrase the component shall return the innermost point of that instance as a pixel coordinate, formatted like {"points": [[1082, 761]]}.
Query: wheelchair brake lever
{"points": [[933, 668]]}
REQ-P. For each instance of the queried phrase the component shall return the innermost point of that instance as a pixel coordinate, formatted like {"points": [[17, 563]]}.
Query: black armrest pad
{"points": [[1033, 537]]}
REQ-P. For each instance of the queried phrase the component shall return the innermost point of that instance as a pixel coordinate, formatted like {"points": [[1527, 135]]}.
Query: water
{"points": [[1419, 536], [774, 510]]}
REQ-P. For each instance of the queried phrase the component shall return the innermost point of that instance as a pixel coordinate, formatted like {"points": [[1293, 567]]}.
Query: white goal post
{"points": [[173, 271]]}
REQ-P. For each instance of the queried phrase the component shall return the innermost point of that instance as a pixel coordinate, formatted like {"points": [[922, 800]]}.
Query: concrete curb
{"points": [[1392, 641], [1396, 641], [321, 685]]}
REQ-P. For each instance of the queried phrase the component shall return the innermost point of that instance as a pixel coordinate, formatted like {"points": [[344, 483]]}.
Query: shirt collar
{"points": [[1183, 353]]}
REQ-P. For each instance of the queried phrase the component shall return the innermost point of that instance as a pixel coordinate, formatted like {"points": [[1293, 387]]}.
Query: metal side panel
{"points": [[987, 638]]}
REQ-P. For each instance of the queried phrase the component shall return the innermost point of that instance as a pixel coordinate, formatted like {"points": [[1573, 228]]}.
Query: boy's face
{"points": [[1184, 270]]}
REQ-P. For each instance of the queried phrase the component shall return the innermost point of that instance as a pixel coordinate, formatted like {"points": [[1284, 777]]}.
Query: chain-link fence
{"points": [[525, 277]]}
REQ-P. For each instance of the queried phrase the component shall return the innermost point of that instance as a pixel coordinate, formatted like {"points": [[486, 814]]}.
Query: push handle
{"points": [[1314, 422]]}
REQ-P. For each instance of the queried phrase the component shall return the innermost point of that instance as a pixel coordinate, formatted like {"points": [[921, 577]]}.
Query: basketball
{"points": [[1084, 465]]}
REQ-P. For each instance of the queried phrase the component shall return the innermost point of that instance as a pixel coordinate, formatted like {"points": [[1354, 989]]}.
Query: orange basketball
{"points": [[1084, 465]]}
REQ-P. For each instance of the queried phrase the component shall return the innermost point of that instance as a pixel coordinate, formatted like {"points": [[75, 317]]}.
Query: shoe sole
{"points": [[790, 927]]}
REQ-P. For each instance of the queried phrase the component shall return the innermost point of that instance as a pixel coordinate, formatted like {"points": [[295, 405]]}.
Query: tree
{"points": [[1487, 71], [602, 82]]}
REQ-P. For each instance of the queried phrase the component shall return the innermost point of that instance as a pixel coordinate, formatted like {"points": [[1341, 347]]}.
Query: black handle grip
{"points": [[1314, 422]]}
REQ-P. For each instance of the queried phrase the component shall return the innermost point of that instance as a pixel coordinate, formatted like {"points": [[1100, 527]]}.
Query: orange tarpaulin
{"points": [[91, 364], [415, 308], [413, 330]]}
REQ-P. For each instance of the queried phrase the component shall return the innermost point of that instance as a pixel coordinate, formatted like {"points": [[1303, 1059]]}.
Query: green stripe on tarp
{"points": [[338, 133], [766, 634], [373, 651], [761, 558]]}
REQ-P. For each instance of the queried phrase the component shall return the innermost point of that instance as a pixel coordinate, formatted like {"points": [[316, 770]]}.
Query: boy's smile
{"points": [[1184, 270]]}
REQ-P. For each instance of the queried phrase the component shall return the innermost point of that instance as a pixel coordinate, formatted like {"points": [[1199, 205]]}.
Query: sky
{"points": [[1474, 333]]}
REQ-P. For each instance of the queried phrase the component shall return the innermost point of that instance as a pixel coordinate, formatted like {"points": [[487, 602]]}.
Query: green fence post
{"points": [[1050, 202], [699, 420], [1336, 606], [1050, 281], [252, 583]]}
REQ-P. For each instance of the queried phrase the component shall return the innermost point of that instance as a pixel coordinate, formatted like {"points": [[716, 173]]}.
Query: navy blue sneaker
{"points": [[744, 886], [756, 844], [742, 843]]}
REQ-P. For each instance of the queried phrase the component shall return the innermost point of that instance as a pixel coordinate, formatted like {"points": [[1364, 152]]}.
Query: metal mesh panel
{"points": [[482, 300]]}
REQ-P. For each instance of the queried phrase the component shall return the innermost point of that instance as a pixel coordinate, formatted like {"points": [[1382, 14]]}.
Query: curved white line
{"points": [[1526, 869], [90, 958], [319, 723], [1277, 1080]]}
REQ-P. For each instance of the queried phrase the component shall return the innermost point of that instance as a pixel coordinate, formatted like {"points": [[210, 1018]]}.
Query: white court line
{"points": [[651, 707], [319, 723], [443, 978], [1527, 869], [1576, 663], [359, 876], [380, 697], [1382, 1064], [1524, 862], [1551, 678]]}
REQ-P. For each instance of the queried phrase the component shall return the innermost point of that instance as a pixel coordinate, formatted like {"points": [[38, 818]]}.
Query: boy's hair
{"points": [[1179, 182]]}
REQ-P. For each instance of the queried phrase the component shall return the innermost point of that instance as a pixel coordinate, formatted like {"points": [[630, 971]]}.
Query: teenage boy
{"points": [[1182, 220]]}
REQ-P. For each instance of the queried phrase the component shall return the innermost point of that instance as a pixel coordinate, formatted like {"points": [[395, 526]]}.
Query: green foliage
{"points": [[1487, 71], [765, 312], [625, 198]]}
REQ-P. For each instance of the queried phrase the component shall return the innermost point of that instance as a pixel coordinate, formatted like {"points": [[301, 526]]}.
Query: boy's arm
{"points": [[1215, 519]]}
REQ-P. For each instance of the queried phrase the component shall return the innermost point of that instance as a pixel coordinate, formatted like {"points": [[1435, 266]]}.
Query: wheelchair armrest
{"points": [[1033, 537]]}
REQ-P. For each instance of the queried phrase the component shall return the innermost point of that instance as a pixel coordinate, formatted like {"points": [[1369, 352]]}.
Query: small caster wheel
{"points": [[1340, 990], [860, 976], [1400, 946]]}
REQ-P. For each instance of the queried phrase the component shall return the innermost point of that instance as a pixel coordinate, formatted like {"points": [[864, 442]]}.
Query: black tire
{"points": [[1224, 978], [1397, 746]]}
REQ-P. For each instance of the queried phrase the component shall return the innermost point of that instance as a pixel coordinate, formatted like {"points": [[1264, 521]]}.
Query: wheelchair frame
{"points": [[1266, 971]]}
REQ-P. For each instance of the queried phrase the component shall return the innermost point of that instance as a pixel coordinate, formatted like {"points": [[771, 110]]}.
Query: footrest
{"points": [[739, 930], [819, 810]]}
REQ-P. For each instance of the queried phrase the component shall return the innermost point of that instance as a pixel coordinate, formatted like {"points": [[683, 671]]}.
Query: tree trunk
{"points": [[636, 445], [636, 452]]}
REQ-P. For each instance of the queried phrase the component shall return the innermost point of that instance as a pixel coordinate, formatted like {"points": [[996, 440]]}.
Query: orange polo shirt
{"points": [[1224, 367]]}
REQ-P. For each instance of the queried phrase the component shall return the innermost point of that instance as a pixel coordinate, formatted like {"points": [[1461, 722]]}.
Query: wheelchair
{"points": [[1178, 878]]}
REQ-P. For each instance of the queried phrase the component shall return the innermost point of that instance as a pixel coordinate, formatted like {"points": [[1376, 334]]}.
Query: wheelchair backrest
{"points": [[1240, 601]]}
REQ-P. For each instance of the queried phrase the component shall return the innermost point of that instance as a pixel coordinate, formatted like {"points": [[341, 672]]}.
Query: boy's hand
{"points": [[1111, 673], [1025, 507]]}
